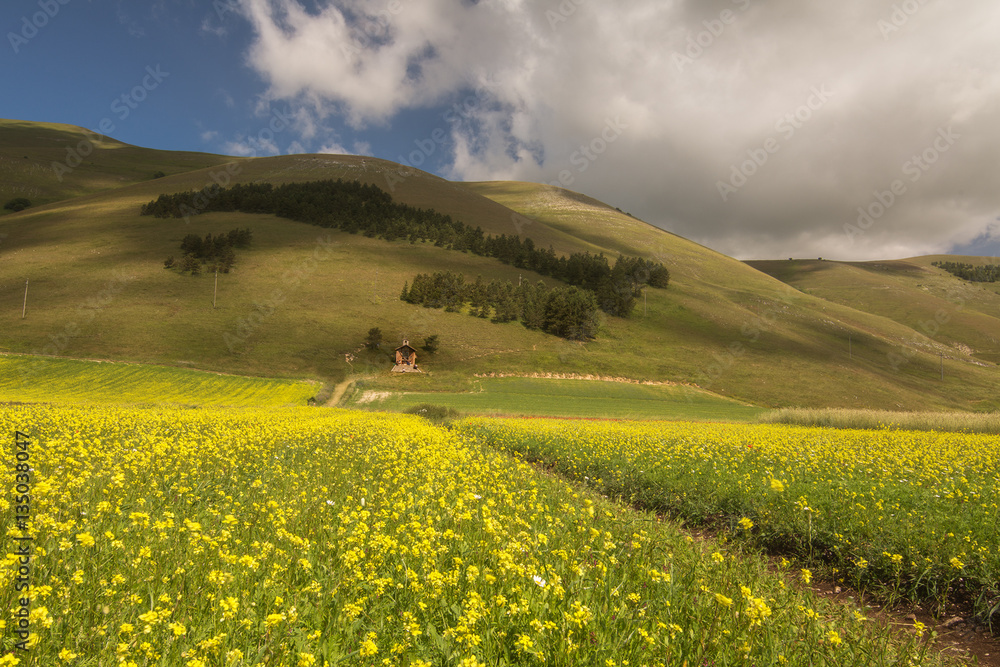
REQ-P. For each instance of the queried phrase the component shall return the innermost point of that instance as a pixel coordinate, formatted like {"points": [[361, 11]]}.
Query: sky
{"points": [[854, 130]]}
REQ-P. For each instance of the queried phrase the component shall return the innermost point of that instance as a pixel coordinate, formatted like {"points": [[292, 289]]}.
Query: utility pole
{"points": [[24, 308], [942, 367], [644, 311], [850, 347], [216, 294], [375, 287]]}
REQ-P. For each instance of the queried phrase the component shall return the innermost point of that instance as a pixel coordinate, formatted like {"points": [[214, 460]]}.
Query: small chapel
{"points": [[406, 359]]}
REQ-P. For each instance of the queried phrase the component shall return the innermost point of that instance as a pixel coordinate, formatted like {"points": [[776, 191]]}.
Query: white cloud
{"points": [[687, 88], [334, 149], [252, 147], [227, 98]]}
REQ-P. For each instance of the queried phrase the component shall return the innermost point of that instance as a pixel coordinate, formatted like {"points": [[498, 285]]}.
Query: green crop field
{"points": [[564, 398], [41, 379]]}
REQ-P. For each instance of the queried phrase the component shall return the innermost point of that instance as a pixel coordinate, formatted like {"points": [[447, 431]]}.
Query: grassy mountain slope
{"points": [[759, 339], [956, 314], [29, 150], [300, 300]]}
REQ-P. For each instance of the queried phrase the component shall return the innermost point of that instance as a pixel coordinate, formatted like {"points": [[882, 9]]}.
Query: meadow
{"points": [[300, 537], [910, 515], [41, 379], [558, 398]]}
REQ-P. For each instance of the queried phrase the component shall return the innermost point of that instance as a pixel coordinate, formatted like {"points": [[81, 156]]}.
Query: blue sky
{"points": [[84, 66], [850, 130]]}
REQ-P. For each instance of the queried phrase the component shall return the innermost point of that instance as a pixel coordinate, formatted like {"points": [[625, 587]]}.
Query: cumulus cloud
{"points": [[334, 148], [761, 128], [252, 147]]}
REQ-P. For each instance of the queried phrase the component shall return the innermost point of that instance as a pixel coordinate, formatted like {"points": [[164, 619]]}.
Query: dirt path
{"points": [[338, 393]]}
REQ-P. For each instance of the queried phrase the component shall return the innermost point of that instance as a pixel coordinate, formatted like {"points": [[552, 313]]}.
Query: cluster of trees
{"points": [[17, 204], [361, 208], [217, 251], [976, 274], [569, 312]]}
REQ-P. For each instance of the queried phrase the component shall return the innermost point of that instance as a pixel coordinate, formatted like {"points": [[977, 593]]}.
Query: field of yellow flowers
{"points": [[299, 537], [910, 515]]}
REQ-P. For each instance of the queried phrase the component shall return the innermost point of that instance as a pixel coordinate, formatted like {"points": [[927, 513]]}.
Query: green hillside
{"points": [[300, 300], [47, 162], [962, 318]]}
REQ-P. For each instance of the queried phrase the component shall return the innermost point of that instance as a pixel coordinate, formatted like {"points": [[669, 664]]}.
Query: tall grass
{"points": [[959, 422]]}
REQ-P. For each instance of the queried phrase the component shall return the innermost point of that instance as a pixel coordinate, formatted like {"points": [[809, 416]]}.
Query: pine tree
{"points": [[431, 344], [373, 340]]}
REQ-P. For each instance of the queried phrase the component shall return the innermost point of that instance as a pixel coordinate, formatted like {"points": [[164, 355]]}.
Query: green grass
{"points": [[299, 301], [39, 379], [566, 398], [959, 318], [958, 422], [28, 151]]}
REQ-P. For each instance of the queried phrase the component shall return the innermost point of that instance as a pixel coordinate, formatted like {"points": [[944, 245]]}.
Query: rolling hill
{"points": [[962, 316], [300, 300]]}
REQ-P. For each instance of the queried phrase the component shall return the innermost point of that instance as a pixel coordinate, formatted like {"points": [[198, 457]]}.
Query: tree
{"points": [[17, 204], [431, 344], [659, 276], [373, 340], [533, 300], [192, 245], [192, 264], [571, 312]]}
